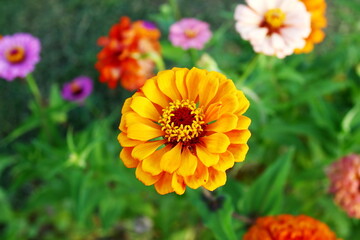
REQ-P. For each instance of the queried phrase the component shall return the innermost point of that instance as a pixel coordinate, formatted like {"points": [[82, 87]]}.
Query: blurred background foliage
{"points": [[60, 177]]}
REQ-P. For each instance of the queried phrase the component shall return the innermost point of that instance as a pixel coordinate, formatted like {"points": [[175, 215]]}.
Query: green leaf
{"points": [[218, 220], [265, 196]]}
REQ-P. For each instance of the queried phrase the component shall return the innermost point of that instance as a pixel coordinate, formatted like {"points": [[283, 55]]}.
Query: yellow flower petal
{"points": [[145, 108], [230, 104], [127, 142], [145, 177], [243, 103], [192, 80], [239, 151], [216, 179], [238, 136], [243, 122], [226, 161], [206, 157], [153, 93], [207, 89], [216, 143], [127, 159], [144, 150], [212, 113], [171, 160], [166, 83], [180, 75], [225, 123], [126, 105], [144, 132], [178, 184], [188, 163], [199, 178], [163, 186], [151, 164]]}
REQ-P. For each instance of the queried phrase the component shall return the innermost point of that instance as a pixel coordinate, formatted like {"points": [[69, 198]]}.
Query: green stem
{"points": [[193, 56], [159, 61], [34, 89], [175, 9], [249, 68]]}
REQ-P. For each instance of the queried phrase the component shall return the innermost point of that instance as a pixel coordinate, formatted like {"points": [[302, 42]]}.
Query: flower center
{"points": [[182, 121], [15, 54], [275, 18], [75, 88], [189, 33]]}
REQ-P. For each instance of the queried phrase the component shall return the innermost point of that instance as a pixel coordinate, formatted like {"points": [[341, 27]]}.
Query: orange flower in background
{"points": [[184, 128], [288, 227], [127, 56], [317, 10]]}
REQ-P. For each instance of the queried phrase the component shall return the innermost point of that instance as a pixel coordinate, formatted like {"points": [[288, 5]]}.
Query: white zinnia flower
{"points": [[273, 27]]}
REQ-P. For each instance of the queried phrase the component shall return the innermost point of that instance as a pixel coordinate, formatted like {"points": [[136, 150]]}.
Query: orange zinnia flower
{"points": [[184, 128], [127, 52], [317, 10], [288, 227]]}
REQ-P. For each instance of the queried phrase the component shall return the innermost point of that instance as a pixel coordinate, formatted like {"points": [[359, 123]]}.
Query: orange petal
{"points": [[216, 143], [144, 150], [151, 164], [171, 160], [225, 123], [199, 178], [180, 75], [188, 163], [206, 157], [145, 177], [163, 186], [133, 117], [239, 151], [192, 82], [207, 90], [144, 132], [216, 179], [152, 92], [238, 136], [178, 184], [127, 159], [226, 87], [166, 83], [145, 108], [226, 161], [127, 142]]}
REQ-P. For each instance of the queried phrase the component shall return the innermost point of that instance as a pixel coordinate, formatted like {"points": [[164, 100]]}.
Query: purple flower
{"points": [[19, 54], [78, 89], [190, 33]]}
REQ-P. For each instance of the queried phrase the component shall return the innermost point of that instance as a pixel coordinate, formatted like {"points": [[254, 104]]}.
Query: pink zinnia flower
{"points": [[345, 183], [78, 89], [19, 54], [273, 27], [190, 33]]}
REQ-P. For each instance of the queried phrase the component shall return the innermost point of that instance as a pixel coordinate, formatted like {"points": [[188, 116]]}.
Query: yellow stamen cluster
{"points": [[15, 54], [275, 17], [189, 33], [172, 116]]}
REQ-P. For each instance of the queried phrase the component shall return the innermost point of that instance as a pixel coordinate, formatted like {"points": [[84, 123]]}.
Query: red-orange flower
{"points": [[127, 54], [184, 128], [317, 10], [288, 227]]}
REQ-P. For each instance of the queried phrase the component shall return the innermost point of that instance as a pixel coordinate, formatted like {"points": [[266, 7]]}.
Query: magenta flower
{"points": [[78, 89], [190, 33], [19, 54], [344, 178]]}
